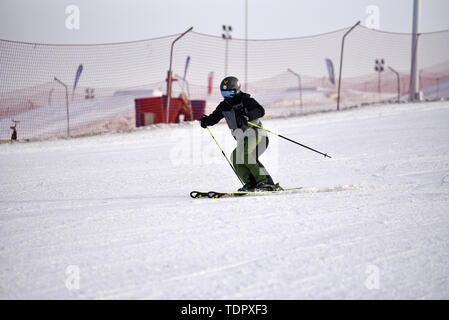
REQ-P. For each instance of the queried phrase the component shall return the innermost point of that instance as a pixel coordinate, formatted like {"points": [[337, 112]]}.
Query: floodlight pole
{"points": [[169, 75], [67, 104], [300, 85], [341, 61], [227, 36], [379, 68]]}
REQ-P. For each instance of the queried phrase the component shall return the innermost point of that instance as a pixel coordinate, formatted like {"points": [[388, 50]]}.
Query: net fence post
{"points": [[341, 61]]}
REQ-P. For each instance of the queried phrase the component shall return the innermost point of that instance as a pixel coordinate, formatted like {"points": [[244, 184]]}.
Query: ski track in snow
{"points": [[117, 207]]}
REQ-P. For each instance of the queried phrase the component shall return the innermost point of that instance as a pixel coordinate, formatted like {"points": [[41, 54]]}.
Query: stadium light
{"points": [[227, 36], [67, 104], [300, 85], [379, 68]]}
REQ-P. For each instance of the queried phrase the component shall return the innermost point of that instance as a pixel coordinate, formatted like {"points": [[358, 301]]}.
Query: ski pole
{"points": [[281, 136], [225, 156]]}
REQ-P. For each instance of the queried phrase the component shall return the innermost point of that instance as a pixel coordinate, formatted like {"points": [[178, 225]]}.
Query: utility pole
{"points": [[379, 68], [227, 36], [414, 77]]}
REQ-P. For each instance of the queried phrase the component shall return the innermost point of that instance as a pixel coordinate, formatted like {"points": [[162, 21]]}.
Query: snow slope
{"points": [[113, 212]]}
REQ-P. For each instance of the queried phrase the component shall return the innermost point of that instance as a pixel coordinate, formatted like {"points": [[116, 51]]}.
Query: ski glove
{"points": [[241, 117], [204, 121]]}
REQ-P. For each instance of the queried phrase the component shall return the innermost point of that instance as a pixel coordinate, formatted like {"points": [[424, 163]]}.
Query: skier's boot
{"points": [[263, 186], [249, 186], [277, 187]]}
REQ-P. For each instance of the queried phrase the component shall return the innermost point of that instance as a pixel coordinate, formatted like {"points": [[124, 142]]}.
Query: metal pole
{"points": [[399, 82], [226, 59], [378, 84], [67, 107], [225, 156], [414, 78], [420, 79], [169, 75], [300, 86], [49, 96], [67, 104], [246, 45], [283, 137], [227, 36], [188, 95], [379, 67], [341, 62], [438, 88]]}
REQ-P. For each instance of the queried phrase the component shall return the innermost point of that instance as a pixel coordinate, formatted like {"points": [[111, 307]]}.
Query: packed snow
{"points": [[109, 217]]}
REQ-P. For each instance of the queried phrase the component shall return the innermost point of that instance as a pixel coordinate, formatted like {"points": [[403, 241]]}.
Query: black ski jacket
{"points": [[230, 109]]}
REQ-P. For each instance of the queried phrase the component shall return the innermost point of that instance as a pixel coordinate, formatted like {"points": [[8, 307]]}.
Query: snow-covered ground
{"points": [[110, 216]]}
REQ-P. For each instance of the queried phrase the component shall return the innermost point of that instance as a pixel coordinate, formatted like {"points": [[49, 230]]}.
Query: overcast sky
{"points": [[123, 20]]}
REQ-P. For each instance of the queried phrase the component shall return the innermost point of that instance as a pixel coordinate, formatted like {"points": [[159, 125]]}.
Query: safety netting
{"points": [[46, 89]]}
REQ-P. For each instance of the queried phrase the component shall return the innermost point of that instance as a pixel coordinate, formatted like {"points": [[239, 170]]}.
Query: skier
{"points": [[14, 131], [238, 108]]}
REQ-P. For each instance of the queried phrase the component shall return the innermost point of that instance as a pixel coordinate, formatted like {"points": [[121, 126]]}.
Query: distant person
{"points": [[14, 134], [238, 108], [185, 108]]}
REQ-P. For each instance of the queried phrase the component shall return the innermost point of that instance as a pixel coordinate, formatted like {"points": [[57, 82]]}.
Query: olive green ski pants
{"points": [[245, 159]]}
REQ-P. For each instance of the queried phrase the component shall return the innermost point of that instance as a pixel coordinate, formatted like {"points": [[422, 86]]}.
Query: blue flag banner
{"points": [[187, 66], [330, 69], [77, 77], [78, 74]]}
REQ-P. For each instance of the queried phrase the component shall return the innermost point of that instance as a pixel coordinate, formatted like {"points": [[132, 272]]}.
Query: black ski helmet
{"points": [[229, 86]]}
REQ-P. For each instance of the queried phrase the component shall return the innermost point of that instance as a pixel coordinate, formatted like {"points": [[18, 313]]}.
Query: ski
{"points": [[216, 194], [199, 194]]}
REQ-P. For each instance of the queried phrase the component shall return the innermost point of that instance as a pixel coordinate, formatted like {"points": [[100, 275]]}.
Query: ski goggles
{"points": [[229, 93]]}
